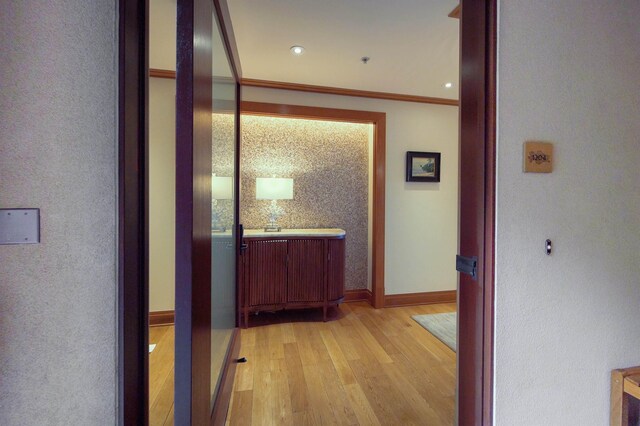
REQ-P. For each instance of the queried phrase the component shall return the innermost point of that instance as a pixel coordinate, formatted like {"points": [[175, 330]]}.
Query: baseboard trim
{"points": [[358, 295], [427, 298], [161, 318]]}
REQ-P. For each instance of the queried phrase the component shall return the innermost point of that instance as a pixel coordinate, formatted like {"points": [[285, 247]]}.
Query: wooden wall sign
{"points": [[538, 157]]}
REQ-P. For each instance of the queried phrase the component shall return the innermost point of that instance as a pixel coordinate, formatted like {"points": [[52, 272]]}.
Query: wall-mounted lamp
{"points": [[221, 189], [274, 189]]}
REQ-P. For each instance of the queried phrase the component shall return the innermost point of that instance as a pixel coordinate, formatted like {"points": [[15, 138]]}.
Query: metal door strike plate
{"points": [[19, 226]]}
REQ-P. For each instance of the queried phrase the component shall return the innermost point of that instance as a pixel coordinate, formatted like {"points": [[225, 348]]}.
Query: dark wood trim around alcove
{"points": [[378, 119]]}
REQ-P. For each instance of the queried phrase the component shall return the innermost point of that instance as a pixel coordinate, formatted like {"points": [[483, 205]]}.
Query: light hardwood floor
{"points": [[368, 367], [161, 376], [365, 367]]}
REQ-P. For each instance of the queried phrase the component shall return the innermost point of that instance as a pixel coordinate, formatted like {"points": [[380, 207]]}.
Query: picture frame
{"points": [[423, 166]]}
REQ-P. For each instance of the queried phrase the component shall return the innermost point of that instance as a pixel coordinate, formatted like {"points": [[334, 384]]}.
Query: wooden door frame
{"points": [[133, 339], [478, 28], [132, 232], [194, 85], [379, 120], [133, 274]]}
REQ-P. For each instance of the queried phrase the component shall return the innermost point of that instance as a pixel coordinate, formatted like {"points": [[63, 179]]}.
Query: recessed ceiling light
{"points": [[448, 85], [297, 50]]}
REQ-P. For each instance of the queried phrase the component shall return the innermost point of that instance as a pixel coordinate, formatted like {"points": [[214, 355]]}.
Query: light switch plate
{"points": [[19, 226], [538, 157]]}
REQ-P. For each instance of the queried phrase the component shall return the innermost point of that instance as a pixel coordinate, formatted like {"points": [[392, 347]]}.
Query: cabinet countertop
{"points": [[321, 232]]}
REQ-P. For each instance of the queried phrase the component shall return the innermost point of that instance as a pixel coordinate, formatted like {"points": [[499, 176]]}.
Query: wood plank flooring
{"points": [[365, 367], [161, 376]]}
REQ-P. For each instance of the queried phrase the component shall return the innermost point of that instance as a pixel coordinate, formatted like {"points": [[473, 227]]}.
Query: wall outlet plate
{"points": [[538, 157], [19, 226]]}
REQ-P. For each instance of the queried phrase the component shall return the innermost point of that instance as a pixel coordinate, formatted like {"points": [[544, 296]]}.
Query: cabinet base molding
{"points": [[290, 307], [161, 318], [426, 298], [358, 295]]}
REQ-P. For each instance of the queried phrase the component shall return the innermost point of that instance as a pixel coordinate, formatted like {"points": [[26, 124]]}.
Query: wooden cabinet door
{"points": [[335, 269], [266, 280], [306, 271]]}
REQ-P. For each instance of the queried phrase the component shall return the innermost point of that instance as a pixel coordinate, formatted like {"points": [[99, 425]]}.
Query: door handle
{"points": [[467, 265]]}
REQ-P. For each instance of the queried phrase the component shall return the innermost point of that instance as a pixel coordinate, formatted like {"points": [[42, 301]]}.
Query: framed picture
{"points": [[423, 166]]}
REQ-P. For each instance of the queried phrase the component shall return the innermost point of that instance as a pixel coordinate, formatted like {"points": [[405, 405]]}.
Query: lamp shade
{"points": [[274, 189], [221, 188]]}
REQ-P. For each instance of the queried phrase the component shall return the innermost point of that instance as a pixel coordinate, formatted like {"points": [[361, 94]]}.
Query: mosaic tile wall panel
{"points": [[223, 160], [329, 164]]}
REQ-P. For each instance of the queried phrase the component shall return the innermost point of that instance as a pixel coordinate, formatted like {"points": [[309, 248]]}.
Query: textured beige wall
{"points": [[421, 234], [329, 163], [568, 73], [162, 194], [162, 34], [58, 152]]}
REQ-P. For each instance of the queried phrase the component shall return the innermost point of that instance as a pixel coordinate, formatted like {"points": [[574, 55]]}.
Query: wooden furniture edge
{"points": [[221, 404], [358, 295], [280, 236], [619, 401], [619, 411], [158, 318], [455, 13], [631, 386], [266, 84], [426, 298]]}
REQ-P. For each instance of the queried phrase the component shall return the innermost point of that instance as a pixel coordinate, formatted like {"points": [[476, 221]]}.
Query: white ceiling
{"points": [[413, 44]]}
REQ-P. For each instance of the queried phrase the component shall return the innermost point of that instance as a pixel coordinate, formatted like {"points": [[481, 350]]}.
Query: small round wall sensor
{"points": [[365, 59]]}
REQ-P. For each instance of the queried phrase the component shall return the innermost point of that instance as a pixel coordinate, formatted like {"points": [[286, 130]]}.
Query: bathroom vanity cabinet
{"points": [[292, 269]]}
